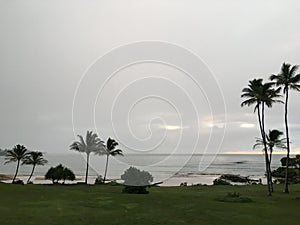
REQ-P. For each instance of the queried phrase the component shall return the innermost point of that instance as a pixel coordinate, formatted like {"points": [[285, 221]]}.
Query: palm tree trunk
{"points": [[286, 185], [87, 167], [266, 152], [105, 168], [270, 162], [261, 126], [31, 173], [17, 169]]}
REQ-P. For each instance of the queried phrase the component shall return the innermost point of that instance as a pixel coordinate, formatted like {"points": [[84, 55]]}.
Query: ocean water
{"points": [[172, 169]]}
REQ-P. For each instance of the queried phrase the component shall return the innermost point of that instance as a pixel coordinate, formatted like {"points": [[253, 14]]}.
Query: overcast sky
{"points": [[46, 48]]}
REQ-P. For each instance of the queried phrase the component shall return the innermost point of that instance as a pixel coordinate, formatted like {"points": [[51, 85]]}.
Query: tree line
{"points": [[90, 144]]}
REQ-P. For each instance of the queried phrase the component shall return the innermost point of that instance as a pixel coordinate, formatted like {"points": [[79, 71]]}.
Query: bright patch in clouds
{"points": [[212, 124], [171, 127], [247, 125]]}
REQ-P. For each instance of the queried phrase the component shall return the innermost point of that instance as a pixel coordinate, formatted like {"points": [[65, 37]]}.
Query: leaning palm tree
{"points": [[261, 94], [18, 153], [274, 140], [289, 80], [110, 150], [92, 143], [34, 159]]}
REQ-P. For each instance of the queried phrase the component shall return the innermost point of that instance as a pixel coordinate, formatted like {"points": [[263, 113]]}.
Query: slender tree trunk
{"points": [[261, 126], [87, 167], [269, 175], [270, 162], [105, 168], [286, 185], [31, 173], [17, 169]]}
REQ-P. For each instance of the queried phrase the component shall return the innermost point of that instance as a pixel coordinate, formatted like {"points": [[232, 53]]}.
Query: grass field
{"points": [[92, 205]]}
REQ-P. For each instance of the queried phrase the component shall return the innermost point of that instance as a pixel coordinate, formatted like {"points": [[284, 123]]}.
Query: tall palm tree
{"points": [[110, 150], [289, 80], [92, 143], [274, 140], [261, 94], [18, 153], [34, 159]]}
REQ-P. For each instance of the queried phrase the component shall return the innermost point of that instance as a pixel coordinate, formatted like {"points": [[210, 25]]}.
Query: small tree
{"points": [[59, 173], [52, 174], [136, 181], [67, 175]]}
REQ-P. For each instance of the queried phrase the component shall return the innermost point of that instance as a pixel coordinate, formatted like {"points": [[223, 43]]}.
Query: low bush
{"points": [[99, 180], [136, 181], [220, 181], [135, 190], [18, 182]]}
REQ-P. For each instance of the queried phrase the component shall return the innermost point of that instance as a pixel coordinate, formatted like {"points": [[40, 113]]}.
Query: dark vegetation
{"points": [[59, 173], [262, 94], [293, 170]]}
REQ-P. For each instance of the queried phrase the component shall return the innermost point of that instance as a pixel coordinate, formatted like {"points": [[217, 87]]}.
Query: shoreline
{"points": [[170, 182]]}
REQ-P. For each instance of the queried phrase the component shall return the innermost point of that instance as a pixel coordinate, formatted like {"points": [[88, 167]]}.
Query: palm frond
{"points": [[18, 153], [34, 158]]}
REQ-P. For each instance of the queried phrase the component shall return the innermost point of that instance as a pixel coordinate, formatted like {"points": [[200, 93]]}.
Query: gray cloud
{"points": [[46, 47]]}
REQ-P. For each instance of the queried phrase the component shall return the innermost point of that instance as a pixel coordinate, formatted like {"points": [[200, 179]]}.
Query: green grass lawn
{"points": [[80, 204]]}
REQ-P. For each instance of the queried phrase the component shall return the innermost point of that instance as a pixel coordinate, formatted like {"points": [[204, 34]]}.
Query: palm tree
{"points": [[289, 80], [273, 140], [261, 94], [18, 153], [34, 159], [92, 143], [110, 149]]}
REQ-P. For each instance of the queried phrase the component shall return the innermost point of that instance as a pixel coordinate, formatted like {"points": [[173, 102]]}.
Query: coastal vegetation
{"points": [[17, 154], [293, 170], [91, 144], [265, 94], [35, 159], [110, 150], [288, 80], [258, 93], [261, 95], [59, 173]]}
